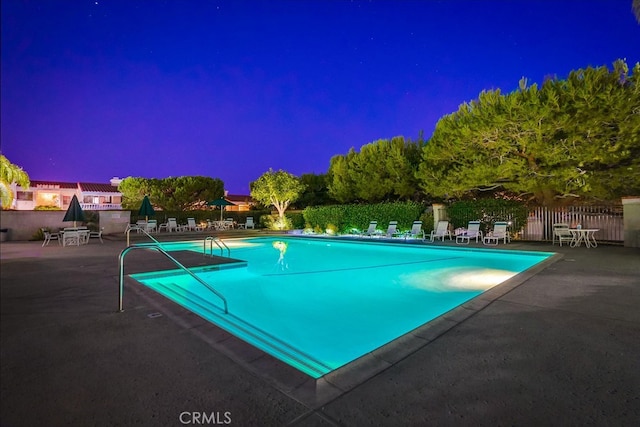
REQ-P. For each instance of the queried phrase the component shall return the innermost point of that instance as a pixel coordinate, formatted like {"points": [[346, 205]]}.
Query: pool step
{"points": [[213, 312]]}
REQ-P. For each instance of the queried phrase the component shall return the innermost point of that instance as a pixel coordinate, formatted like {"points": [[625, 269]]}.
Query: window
{"points": [[25, 195]]}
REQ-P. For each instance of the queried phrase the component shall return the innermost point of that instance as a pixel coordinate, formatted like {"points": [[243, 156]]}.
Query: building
{"points": [[240, 203], [57, 194]]}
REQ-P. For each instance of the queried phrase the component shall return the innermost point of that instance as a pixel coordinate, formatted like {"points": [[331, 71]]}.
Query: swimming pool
{"points": [[320, 304]]}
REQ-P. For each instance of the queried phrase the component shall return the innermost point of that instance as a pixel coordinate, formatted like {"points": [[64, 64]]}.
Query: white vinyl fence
{"points": [[608, 219]]}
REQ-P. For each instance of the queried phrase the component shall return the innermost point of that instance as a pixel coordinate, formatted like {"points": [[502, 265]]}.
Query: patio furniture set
{"points": [[71, 236]]}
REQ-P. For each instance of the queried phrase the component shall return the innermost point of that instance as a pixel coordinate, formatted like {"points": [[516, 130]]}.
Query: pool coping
{"points": [[316, 393]]}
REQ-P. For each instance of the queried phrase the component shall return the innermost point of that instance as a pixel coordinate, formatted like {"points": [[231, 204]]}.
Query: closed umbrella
{"points": [[146, 209], [74, 211], [222, 202]]}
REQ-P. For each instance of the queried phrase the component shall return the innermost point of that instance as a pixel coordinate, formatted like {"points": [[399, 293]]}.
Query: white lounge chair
{"points": [[372, 230], [49, 236], [191, 225], [416, 231], [248, 224], [499, 232], [472, 231], [392, 229], [441, 231], [561, 233], [171, 225]]}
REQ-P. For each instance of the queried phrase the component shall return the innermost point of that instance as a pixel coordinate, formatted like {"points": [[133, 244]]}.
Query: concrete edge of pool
{"points": [[318, 392]]}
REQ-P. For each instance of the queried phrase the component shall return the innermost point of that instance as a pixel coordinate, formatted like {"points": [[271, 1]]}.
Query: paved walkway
{"points": [[561, 348]]}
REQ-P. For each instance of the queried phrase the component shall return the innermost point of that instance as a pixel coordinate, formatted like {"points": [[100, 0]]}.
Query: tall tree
{"points": [[636, 9], [277, 188], [573, 138], [171, 194], [10, 173], [316, 191], [382, 170]]}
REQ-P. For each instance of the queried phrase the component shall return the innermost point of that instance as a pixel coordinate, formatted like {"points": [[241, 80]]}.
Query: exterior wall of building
{"points": [[631, 206], [27, 199], [24, 225]]}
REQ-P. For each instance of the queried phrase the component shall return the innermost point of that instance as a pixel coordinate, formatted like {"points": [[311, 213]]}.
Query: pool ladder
{"points": [[219, 242], [157, 247]]}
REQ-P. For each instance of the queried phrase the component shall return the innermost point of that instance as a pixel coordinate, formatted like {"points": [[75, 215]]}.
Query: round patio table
{"points": [[586, 235]]}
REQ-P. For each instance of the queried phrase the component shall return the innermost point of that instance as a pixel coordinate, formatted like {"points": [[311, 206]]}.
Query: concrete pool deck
{"points": [[560, 348]]}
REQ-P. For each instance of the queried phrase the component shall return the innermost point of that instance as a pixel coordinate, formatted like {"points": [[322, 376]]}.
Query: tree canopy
{"points": [[171, 194], [316, 191], [10, 173], [573, 138], [382, 170], [277, 188]]}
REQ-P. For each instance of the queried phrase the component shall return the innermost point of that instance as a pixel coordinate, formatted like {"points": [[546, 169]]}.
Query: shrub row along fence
{"points": [[534, 224]]}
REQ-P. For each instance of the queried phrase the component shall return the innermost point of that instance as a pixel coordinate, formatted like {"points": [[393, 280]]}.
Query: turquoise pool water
{"points": [[318, 304]]}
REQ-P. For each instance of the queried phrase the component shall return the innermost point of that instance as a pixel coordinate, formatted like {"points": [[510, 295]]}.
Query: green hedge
{"points": [[488, 211], [347, 217]]}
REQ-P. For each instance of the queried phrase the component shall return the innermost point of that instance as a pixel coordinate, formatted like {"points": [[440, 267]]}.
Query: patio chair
{"points": [[152, 226], [96, 234], [372, 230], [416, 231], [561, 233], [499, 232], [49, 236], [472, 231], [392, 229], [441, 231], [141, 225]]}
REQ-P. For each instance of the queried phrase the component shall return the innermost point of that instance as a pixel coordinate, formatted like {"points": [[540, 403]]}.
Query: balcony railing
{"points": [[101, 206]]}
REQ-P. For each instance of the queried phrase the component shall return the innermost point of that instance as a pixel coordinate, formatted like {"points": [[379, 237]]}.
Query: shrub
{"points": [[273, 222], [38, 235], [347, 217], [297, 220], [488, 211]]}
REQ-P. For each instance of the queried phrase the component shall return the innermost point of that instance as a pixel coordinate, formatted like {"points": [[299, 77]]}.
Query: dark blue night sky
{"points": [[229, 89]]}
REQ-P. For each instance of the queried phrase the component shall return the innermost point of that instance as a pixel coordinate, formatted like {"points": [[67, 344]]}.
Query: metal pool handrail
{"points": [[175, 261], [217, 241], [140, 229]]}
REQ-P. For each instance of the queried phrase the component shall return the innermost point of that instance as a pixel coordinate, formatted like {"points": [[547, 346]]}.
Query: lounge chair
{"points": [[499, 232], [171, 225], [49, 236], [561, 233], [191, 225], [441, 231], [372, 230], [416, 231], [472, 231], [392, 229], [248, 224]]}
